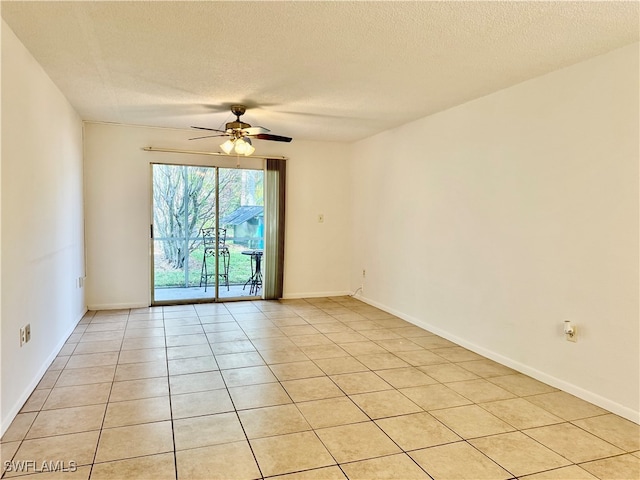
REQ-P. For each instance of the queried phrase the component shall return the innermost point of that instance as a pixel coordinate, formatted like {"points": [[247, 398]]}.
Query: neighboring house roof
{"points": [[242, 214]]}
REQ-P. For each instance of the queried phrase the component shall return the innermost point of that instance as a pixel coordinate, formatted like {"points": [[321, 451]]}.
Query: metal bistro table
{"points": [[255, 281]]}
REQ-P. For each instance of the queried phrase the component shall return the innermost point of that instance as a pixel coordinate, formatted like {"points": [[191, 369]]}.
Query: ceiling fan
{"points": [[241, 133]]}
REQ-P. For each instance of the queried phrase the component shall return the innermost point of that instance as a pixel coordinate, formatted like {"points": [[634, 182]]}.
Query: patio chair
{"points": [[208, 270]]}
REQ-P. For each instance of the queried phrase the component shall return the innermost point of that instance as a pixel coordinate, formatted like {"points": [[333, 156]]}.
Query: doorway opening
{"points": [[208, 233]]}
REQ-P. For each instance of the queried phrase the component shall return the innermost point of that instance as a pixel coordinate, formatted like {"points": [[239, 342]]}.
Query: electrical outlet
{"points": [[573, 336], [364, 273], [25, 334], [321, 218]]}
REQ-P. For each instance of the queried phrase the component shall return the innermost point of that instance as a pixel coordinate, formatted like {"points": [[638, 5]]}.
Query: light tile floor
{"points": [[304, 389]]}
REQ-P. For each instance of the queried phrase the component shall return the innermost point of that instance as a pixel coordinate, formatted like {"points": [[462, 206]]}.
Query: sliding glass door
{"points": [[208, 233]]}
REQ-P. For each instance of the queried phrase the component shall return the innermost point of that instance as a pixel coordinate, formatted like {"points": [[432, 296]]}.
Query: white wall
{"points": [[42, 222], [498, 219], [118, 211]]}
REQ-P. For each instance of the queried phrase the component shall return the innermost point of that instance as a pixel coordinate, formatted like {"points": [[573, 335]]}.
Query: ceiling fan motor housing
{"points": [[237, 110]]}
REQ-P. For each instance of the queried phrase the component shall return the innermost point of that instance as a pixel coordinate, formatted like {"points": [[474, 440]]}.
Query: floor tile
{"points": [[573, 443], [432, 342], [520, 413], [296, 370], [471, 421], [307, 389], [283, 355], [134, 371], [142, 388], [486, 368], [184, 340], [324, 473], [360, 382], [363, 348], [387, 403], [620, 432], [255, 396], [67, 420], [566, 406], [572, 472], [432, 397], [218, 462], [195, 382], [132, 412], [391, 341], [59, 363], [80, 447], [86, 376], [19, 427], [317, 352], [36, 400], [331, 412], [521, 385], [97, 347], [238, 377], [456, 354], [201, 403], [405, 377], [207, 430], [480, 390], [142, 343], [237, 346], [422, 357], [458, 461], [290, 453], [624, 467], [239, 360], [343, 337], [389, 467], [134, 441], [182, 366], [7, 451], [359, 441], [417, 430], [518, 453], [143, 355], [86, 360], [76, 396], [162, 466], [338, 365], [236, 369], [142, 332], [317, 339], [50, 378], [270, 421], [381, 361]]}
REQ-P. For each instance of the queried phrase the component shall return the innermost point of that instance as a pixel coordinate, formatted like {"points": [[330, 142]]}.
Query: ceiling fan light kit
{"points": [[240, 133]]}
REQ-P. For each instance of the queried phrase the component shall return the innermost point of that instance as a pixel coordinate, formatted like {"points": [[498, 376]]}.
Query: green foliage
{"points": [[239, 269]]}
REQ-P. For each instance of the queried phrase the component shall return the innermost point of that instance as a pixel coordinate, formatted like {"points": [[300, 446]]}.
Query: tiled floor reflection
{"points": [[324, 388]]}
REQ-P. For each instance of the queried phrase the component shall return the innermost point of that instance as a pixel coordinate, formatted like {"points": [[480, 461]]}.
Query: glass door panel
{"points": [[242, 218]]}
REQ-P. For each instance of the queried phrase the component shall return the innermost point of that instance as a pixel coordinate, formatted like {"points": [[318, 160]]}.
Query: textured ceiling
{"points": [[337, 71]]}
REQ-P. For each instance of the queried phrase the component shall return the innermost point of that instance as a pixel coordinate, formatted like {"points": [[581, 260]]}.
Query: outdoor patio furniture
{"points": [[208, 271]]}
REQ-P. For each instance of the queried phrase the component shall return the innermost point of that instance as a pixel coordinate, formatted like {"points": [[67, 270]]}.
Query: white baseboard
{"points": [[117, 306], [11, 415], [544, 377], [292, 296]]}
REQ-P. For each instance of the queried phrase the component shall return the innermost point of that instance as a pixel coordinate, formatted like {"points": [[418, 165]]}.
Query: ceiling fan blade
{"points": [[210, 129], [255, 130], [207, 136], [275, 138]]}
